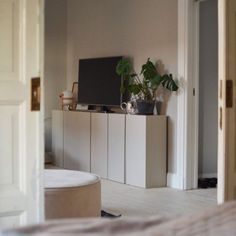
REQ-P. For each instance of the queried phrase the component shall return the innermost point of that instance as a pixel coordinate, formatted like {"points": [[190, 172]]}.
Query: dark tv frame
{"points": [[104, 107]]}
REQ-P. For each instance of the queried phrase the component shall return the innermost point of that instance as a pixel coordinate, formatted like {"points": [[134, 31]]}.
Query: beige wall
{"points": [[55, 59], [133, 28]]}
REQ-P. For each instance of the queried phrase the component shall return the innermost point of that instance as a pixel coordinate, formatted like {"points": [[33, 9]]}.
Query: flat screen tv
{"points": [[98, 83]]}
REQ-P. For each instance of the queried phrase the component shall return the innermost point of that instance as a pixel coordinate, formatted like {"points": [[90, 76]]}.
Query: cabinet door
{"points": [[136, 150], [116, 147], [57, 138], [146, 151], [99, 144], [77, 141], [156, 157]]}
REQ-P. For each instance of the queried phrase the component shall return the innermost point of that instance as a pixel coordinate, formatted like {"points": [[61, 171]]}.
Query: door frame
{"points": [[222, 152], [188, 98], [41, 210], [187, 103]]}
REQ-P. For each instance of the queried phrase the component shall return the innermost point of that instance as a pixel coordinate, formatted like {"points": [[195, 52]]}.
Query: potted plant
{"points": [[144, 85]]}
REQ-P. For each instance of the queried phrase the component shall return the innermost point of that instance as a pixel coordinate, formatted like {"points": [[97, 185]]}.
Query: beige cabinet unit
{"points": [[58, 138], [99, 144], [128, 149], [146, 151], [77, 141], [116, 147]]}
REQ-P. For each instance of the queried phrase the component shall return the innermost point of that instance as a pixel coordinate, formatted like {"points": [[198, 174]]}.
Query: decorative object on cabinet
{"points": [[144, 89], [67, 100], [74, 89], [129, 107]]}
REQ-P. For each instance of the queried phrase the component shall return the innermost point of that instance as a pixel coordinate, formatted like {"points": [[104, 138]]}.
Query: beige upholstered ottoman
{"points": [[71, 194]]}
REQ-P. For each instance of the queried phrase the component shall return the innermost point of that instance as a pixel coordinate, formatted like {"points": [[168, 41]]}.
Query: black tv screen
{"points": [[98, 82]]}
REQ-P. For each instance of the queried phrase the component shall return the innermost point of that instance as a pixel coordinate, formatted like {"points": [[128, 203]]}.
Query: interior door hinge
{"points": [[221, 122], [221, 89]]}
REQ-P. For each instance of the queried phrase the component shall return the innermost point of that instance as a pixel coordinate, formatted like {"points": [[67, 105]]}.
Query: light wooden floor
{"points": [[131, 201]]}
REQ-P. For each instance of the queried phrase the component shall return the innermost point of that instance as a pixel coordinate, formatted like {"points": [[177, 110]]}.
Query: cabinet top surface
{"points": [[128, 115]]}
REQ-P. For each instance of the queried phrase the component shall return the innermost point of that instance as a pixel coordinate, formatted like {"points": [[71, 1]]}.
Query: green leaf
{"points": [[169, 83], [124, 67], [133, 75], [155, 81], [149, 70], [134, 88], [147, 86]]}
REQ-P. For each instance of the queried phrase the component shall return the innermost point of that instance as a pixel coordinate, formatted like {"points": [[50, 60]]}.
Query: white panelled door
{"points": [[227, 101], [21, 145]]}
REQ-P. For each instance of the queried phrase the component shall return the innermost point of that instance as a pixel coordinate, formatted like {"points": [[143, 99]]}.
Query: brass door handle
{"points": [[35, 94]]}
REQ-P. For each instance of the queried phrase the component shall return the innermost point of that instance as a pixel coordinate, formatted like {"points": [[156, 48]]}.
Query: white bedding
{"points": [[220, 220]]}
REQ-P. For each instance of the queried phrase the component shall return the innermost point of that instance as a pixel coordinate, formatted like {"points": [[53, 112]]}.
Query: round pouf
{"points": [[71, 194]]}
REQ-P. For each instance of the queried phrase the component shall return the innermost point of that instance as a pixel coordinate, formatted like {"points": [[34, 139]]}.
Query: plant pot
{"points": [[159, 107], [144, 107]]}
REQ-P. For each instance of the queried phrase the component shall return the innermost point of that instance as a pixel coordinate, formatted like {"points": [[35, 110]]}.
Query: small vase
{"points": [[145, 107]]}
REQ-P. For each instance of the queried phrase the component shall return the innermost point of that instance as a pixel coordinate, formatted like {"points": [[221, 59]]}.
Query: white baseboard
{"points": [[174, 181], [207, 175]]}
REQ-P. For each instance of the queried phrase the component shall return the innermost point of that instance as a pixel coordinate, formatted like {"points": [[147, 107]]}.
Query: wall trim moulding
{"points": [[187, 163], [174, 181]]}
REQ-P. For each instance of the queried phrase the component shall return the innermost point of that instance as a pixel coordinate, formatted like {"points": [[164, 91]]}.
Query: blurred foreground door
{"points": [[227, 101], [21, 142]]}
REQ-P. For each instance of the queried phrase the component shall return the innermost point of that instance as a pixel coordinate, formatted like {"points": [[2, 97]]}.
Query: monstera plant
{"points": [[144, 86]]}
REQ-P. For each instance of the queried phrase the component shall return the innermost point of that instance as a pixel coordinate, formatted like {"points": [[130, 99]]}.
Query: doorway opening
{"points": [[208, 94], [55, 59]]}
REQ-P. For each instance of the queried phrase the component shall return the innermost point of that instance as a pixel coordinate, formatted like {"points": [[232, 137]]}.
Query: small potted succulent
{"points": [[144, 86]]}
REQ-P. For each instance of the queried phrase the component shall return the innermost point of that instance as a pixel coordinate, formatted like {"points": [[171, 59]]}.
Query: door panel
{"points": [[12, 221], [58, 138], [227, 110], [116, 147], [9, 146], [20, 129], [9, 39], [231, 110], [77, 141]]}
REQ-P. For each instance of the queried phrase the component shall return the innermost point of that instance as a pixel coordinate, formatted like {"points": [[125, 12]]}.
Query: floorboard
{"points": [[132, 201]]}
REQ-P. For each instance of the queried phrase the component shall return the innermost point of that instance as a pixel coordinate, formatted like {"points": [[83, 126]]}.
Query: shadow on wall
{"points": [[163, 94]]}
